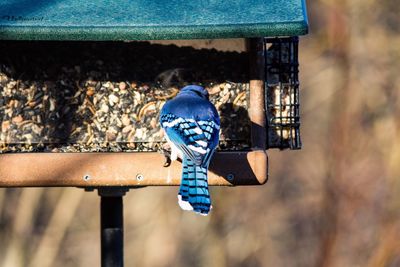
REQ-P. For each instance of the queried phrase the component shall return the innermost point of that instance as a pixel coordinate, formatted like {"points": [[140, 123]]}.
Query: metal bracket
{"points": [[112, 191]]}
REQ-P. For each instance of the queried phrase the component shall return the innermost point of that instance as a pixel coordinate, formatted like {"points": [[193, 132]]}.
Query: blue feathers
{"points": [[192, 124]]}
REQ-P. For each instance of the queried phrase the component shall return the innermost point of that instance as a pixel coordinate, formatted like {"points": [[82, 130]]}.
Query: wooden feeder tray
{"points": [[56, 108]]}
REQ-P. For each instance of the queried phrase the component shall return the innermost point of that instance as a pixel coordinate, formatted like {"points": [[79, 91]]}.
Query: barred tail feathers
{"points": [[183, 196], [193, 193]]}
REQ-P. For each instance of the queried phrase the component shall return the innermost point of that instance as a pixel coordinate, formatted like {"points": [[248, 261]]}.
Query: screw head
{"points": [[86, 177], [139, 177], [230, 177]]}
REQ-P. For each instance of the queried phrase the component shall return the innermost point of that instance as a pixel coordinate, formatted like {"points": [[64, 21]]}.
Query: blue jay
{"points": [[192, 124]]}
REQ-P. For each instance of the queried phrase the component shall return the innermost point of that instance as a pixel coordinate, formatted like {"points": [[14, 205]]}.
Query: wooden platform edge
{"points": [[124, 169]]}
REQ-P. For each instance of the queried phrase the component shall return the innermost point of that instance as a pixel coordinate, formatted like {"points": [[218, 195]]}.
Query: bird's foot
{"points": [[165, 150], [168, 161]]}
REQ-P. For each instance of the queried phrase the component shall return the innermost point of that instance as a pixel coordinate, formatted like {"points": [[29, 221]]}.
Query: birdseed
{"points": [[106, 97]]}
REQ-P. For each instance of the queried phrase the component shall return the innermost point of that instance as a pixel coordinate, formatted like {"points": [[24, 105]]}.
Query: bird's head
{"points": [[195, 89]]}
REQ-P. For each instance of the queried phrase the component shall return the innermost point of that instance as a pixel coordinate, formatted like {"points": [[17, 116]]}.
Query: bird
{"points": [[191, 124]]}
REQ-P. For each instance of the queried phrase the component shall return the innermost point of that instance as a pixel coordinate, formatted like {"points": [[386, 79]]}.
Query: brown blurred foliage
{"points": [[336, 202]]}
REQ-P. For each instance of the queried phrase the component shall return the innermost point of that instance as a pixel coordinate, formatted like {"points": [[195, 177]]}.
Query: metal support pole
{"points": [[112, 231]]}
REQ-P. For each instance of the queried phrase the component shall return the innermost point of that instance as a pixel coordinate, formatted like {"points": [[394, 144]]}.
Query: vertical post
{"points": [[255, 48], [112, 232]]}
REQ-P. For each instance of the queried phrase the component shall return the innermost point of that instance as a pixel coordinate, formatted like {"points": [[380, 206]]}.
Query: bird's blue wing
{"points": [[211, 131], [196, 139]]}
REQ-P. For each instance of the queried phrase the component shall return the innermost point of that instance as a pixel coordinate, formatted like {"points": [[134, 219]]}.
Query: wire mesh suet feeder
{"points": [[282, 92]]}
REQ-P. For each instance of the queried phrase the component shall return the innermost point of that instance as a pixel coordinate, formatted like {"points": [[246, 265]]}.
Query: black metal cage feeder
{"points": [[282, 92]]}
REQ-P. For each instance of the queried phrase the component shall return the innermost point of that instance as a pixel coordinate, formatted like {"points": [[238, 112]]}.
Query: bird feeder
{"points": [[270, 27], [282, 92]]}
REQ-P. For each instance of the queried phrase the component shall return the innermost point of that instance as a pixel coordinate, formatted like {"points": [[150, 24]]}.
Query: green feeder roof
{"points": [[150, 19]]}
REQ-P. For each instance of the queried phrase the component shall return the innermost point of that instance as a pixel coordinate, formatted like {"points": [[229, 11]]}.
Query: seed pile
{"points": [[98, 97]]}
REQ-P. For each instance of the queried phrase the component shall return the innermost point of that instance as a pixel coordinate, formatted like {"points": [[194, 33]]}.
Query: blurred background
{"points": [[336, 202]]}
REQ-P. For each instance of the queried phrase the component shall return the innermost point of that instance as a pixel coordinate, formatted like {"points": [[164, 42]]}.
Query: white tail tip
{"points": [[184, 204]]}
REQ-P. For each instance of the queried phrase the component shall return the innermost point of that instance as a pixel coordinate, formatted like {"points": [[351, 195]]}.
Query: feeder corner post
{"points": [[255, 48]]}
